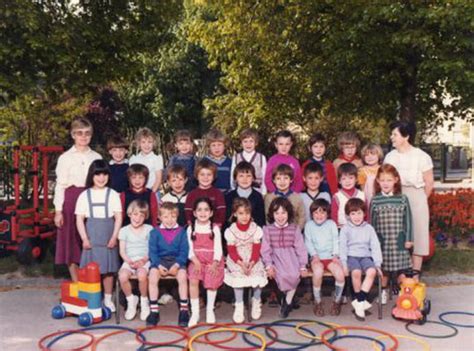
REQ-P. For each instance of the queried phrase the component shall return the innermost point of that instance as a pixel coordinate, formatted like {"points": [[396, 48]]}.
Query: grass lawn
{"points": [[450, 260]]}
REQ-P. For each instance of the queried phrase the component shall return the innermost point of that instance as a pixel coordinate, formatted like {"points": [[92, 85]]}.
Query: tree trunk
{"points": [[408, 91]]}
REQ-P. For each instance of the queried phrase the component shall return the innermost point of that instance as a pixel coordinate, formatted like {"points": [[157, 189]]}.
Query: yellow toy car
{"points": [[412, 304]]}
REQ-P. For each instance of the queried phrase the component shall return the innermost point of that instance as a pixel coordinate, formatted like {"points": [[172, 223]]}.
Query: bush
{"points": [[452, 215]]}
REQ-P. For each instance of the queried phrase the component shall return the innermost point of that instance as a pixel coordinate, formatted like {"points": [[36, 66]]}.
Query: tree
{"points": [[168, 94], [298, 61], [56, 46]]}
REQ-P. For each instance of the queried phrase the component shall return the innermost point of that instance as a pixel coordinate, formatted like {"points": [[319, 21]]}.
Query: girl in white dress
{"points": [[244, 266]]}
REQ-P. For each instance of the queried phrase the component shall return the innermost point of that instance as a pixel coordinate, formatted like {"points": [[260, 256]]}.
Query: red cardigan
{"points": [[331, 176]]}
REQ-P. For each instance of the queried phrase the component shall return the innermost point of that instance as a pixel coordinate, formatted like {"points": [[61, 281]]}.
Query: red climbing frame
{"points": [[30, 227]]}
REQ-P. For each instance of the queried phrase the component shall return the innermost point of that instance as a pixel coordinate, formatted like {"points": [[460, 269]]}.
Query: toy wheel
{"points": [[25, 251], [85, 319], [106, 313], [427, 308], [422, 320], [58, 312], [31, 250]]}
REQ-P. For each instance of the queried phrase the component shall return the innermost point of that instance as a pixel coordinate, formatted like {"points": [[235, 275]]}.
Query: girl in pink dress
{"points": [[283, 251], [207, 263], [372, 156]]}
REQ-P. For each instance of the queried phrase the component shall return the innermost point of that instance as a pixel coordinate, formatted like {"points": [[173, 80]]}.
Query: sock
{"points": [[154, 308], [339, 291], [317, 294], [211, 299], [257, 293], [347, 288], [108, 297], [363, 295], [183, 304], [239, 295], [129, 298], [358, 296], [289, 296], [195, 305]]}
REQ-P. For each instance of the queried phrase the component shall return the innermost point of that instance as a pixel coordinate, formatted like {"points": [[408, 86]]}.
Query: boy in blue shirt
{"points": [[168, 252]]}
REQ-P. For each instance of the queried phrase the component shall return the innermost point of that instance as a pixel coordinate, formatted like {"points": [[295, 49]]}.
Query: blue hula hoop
{"points": [[443, 319], [301, 347], [335, 338]]}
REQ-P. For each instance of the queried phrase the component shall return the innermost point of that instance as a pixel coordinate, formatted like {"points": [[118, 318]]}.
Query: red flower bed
{"points": [[452, 213]]}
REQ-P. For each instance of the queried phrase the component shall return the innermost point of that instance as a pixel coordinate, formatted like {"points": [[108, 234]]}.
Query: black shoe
{"points": [[183, 318], [153, 319], [285, 309]]}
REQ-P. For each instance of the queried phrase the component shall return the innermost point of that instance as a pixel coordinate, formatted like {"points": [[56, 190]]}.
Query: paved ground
{"points": [[25, 317]]}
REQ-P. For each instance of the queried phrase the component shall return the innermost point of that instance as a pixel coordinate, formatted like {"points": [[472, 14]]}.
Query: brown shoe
{"points": [[335, 309], [318, 309]]}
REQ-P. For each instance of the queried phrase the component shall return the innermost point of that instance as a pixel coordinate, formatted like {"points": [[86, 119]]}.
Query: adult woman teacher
{"points": [[416, 172], [71, 172]]}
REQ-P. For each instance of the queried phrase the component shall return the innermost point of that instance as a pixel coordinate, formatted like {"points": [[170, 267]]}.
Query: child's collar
{"points": [[142, 190], [281, 226], [162, 226], [343, 157], [280, 193], [316, 159]]}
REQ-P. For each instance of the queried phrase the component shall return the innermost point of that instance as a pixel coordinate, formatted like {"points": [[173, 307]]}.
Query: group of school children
{"points": [[239, 220]]}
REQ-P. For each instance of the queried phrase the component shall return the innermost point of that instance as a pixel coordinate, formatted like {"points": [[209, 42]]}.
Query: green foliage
{"points": [[296, 62], [168, 93], [30, 120], [58, 46]]}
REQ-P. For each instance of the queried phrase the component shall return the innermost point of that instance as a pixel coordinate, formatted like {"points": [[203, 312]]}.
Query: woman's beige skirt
{"points": [[420, 219]]}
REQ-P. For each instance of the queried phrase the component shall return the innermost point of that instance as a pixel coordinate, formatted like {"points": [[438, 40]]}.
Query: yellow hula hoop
{"points": [[426, 346], [312, 337], [220, 330]]}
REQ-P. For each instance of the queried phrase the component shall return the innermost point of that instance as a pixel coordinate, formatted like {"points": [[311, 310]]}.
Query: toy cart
{"points": [[28, 230], [84, 298]]}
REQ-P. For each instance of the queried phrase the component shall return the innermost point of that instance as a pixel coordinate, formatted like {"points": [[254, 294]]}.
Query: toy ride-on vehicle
{"points": [[83, 298], [412, 304]]}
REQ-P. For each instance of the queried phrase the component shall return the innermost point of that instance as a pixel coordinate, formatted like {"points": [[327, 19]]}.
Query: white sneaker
{"points": [[210, 316], [256, 309], [194, 319], [366, 304], [238, 316], [384, 297], [165, 299], [131, 311], [359, 309], [108, 303], [144, 308]]}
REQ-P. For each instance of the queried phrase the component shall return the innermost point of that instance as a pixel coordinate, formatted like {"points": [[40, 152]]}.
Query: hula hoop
{"points": [[291, 343], [227, 329], [170, 328], [454, 333], [233, 348], [332, 347], [374, 340], [69, 332], [105, 336], [426, 346], [306, 324], [179, 347], [275, 324], [96, 327], [443, 319], [209, 341]]}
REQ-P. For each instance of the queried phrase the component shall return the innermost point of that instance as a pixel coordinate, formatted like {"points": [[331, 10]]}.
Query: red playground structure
{"points": [[28, 230], [84, 298]]}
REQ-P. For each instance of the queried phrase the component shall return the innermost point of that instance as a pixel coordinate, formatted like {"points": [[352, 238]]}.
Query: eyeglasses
{"points": [[81, 133]]}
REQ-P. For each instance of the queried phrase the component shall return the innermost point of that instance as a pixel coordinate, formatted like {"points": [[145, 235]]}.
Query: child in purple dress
{"points": [[283, 251]]}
